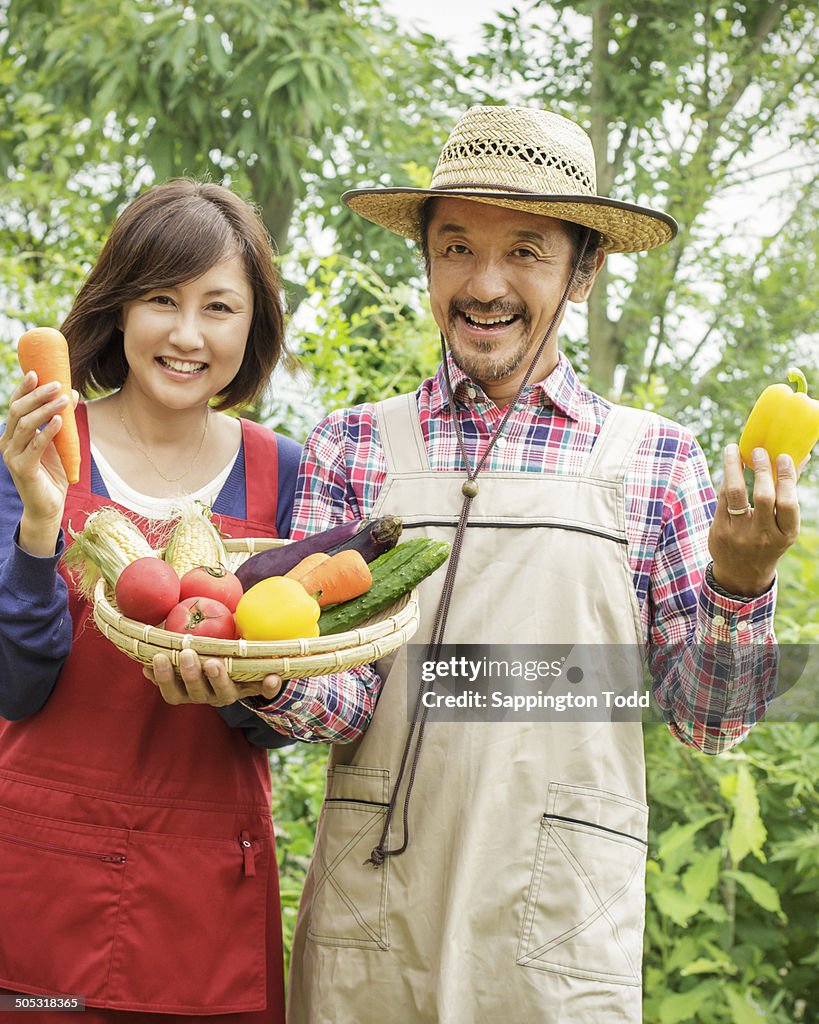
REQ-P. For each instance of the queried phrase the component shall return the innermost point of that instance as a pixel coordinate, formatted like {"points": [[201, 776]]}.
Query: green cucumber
{"points": [[401, 553], [400, 569]]}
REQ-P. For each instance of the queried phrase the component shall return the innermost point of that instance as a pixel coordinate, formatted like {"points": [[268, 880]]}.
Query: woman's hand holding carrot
{"points": [[35, 416]]}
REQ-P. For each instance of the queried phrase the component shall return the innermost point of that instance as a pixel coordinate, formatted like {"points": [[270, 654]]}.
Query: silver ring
{"points": [[739, 511]]}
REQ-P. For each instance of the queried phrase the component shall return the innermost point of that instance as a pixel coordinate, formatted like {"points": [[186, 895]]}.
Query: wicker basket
{"points": [[248, 660]]}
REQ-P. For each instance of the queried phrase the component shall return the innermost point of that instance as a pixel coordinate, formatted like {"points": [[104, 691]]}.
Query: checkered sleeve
{"points": [[323, 709], [342, 469], [333, 708], [714, 681]]}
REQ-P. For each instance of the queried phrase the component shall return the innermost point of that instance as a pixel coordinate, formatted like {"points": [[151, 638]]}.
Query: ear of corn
{"points": [[106, 544], [194, 540]]}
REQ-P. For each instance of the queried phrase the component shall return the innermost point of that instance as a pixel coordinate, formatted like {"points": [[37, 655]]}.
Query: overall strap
{"points": [[401, 437], [617, 442], [261, 471]]}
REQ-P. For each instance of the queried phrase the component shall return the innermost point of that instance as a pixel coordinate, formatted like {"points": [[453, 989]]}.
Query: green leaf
{"points": [[743, 1012], [677, 845], [705, 966], [748, 832], [685, 950], [675, 904], [280, 78], [701, 877], [760, 891], [683, 1006], [217, 57], [185, 41]]}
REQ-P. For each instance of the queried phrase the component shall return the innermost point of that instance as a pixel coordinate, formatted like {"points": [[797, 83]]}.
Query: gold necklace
{"points": [[157, 470]]}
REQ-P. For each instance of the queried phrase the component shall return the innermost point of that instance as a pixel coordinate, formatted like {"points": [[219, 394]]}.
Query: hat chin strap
{"points": [[470, 491]]}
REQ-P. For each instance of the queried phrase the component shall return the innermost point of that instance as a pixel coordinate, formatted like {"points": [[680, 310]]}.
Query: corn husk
{"points": [[194, 539], [102, 548]]}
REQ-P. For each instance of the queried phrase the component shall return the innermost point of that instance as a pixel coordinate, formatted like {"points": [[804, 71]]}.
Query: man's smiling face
{"points": [[496, 277]]}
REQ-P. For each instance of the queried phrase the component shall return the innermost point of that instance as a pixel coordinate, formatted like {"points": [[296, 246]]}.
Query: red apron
{"points": [[137, 858]]}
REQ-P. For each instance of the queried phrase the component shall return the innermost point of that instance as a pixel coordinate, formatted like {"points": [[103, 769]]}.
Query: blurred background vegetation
{"points": [[704, 109]]}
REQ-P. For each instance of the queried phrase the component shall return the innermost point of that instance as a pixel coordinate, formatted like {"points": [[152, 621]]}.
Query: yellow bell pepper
{"points": [[277, 608], [782, 421]]}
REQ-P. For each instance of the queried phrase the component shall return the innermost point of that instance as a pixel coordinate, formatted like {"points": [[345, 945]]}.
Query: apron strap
{"points": [[401, 438], [81, 416], [617, 442], [261, 471]]}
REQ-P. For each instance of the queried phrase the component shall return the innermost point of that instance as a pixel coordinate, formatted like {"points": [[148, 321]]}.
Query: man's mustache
{"points": [[487, 309]]}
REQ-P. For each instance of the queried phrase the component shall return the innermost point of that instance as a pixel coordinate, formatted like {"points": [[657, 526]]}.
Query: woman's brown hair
{"points": [[170, 234]]}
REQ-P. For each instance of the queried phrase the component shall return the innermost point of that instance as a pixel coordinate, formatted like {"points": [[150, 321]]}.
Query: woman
{"points": [[137, 858]]}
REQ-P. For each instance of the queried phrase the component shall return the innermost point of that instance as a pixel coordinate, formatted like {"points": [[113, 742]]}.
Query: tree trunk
{"points": [[276, 204], [603, 346]]}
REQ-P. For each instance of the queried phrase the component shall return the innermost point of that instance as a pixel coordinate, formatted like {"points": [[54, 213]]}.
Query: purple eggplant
{"points": [[375, 537], [371, 537]]}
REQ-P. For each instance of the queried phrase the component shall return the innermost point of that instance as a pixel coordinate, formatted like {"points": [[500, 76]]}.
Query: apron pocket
{"points": [[349, 901], [586, 900], [191, 935], [60, 885]]}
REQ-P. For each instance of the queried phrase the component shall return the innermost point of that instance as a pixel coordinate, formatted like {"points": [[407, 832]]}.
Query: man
{"points": [[492, 871], [518, 896]]}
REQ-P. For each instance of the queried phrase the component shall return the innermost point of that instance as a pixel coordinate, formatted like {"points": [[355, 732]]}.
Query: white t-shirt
{"points": [[146, 505]]}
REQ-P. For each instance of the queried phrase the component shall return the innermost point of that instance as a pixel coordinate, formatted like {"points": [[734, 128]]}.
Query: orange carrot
{"points": [[341, 577], [45, 351], [307, 563]]}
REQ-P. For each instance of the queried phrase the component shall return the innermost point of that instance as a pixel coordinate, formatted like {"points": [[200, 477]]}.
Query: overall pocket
{"points": [[349, 896], [61, 885], [586, 901], [191, 935]]}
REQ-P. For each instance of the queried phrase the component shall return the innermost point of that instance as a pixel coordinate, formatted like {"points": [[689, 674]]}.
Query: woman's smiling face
{"points": [[496, 277], [185, 343]]}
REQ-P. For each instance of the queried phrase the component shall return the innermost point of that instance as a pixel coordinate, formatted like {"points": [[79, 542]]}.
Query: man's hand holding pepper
{"points": [[747, 539]]}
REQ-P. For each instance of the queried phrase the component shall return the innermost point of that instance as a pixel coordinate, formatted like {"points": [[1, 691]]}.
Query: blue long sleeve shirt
{"points": [[35, 625]]}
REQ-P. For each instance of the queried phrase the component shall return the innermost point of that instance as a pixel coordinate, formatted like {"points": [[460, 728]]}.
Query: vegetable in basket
{"points": [[394, 574], [340, 577], [202, 616], [371, 537], [147, 589], [213, 582], [107, 543], [194, 539], [277, 608], [110, 541]]}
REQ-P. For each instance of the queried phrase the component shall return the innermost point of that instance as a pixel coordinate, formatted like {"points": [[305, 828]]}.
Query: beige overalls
{"points": [[520, 898]]}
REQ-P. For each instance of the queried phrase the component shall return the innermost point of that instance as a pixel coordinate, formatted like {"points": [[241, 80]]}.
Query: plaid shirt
{"points": [[711, 657]]}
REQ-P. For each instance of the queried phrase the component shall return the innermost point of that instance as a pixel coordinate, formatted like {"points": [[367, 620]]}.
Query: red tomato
{"points": [[218, 584], [147, 589], [202, 616]]}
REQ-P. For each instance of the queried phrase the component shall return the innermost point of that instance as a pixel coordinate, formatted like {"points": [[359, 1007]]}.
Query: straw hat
{"points": [[523, 159]]}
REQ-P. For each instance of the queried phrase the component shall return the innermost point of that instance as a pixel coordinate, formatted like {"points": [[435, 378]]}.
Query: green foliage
{"points": [[733, 869], [286, 103], [732, 878], [797, 621], [280, 99], [760, 325], [385, 346], [691, 124], [298, 791], [206, 89]]}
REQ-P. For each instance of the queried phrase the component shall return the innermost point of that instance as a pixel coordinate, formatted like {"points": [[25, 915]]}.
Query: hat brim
{"points": [[625, 227]]}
